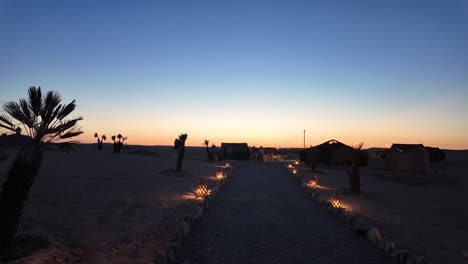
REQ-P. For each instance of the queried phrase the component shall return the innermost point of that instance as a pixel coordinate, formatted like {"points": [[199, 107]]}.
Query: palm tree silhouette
{"points": [[208, 152], [179, 144], [100, 141], [118, 143], [45, 120]]}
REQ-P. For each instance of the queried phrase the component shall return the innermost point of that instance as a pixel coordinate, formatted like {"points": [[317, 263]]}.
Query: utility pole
{"points": [[304, 138]]}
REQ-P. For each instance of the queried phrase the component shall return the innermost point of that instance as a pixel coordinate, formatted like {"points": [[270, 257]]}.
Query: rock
{"points": [[390, 247], [183, 228], [403, 256], [374, 235], [360, 230], [350, 218], [411, 259], [359, 221], [396, 255], [160, 259], [170, 255], [198, 210], [342, 217], [422, 260]]}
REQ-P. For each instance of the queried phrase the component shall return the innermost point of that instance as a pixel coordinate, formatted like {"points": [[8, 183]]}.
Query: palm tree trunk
{"points": [[355, 179], [208, 153], [15, 191], [180, 159]]}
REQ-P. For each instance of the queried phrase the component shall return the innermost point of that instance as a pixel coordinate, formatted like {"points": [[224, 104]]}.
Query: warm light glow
{"points": [[202, 189], [294, 171], [313, 182], [290, 166], [220, 175], [296, 162], [228, 165], [336, 202]]}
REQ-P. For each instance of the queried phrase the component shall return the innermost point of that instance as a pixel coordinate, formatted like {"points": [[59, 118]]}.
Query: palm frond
{"points": [[35, 100], [6, 122], [71, 133], [66, 110], [52, 100], [14, 110]]}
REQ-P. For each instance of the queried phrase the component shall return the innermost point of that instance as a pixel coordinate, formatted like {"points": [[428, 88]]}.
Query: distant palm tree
{"points": [[46, 120], [208, 152], [100, 141], [179, 144], [118, 143]]}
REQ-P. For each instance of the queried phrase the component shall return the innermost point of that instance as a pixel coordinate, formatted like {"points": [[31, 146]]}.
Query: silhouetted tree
{"points": [[208, 152], [353, 169], [45, 120], [214, 152], [179, 144], [118, 142], [99, 141]]}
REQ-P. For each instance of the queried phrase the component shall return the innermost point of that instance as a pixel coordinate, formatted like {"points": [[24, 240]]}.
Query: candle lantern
{"points": [[202, 189], [220, 174], [313, 182], [336, 200], [294, 171], [290, 166]]}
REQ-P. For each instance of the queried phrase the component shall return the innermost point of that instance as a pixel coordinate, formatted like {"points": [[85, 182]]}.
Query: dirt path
{"points": [[263, 216]]}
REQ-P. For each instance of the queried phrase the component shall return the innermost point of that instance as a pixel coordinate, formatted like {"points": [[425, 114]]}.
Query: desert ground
{"points": [[99, 207], [426, 214]]}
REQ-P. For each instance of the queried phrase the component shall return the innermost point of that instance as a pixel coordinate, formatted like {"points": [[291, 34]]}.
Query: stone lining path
{"points": [[263, 216]]}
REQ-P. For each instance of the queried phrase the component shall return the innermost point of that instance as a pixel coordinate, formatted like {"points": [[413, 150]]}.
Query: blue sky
{"points": [[153, 69]]}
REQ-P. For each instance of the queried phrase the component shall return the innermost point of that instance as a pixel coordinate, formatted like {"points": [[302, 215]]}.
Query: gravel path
{"points": [[263, 216]]}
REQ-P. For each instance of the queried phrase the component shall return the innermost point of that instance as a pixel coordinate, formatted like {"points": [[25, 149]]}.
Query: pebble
{"points": [[183, 228], [374, 235], [390, 247], [160, 259]]}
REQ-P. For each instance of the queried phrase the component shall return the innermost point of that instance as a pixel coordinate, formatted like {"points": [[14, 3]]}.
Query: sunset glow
{"points": [[259, 72]]}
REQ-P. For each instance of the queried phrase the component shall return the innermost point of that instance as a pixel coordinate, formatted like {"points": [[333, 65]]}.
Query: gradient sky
{"points": [[380, 72]]}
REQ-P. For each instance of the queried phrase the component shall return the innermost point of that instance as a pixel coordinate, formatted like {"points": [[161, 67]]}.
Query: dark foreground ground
{"points": [[263, 216]]}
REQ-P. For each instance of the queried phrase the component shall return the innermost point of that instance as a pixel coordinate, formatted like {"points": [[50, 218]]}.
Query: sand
{"points": [[426, 214], [100, 207]]}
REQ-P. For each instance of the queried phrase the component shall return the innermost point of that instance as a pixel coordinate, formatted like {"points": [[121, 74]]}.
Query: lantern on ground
{"points": [[220, 174], [296, 162], [313, 182], [202, 189], [336, 200], [294, 171], [290, 166]]}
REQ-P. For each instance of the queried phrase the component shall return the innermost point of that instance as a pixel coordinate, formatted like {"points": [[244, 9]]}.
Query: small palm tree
{"points": [[118, 143], [208, 153], [100, 141], [45, 120], [179, 144]]}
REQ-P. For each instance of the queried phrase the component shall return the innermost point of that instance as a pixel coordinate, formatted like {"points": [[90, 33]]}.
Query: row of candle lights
{"points": [[202, 188], [335, 200]]}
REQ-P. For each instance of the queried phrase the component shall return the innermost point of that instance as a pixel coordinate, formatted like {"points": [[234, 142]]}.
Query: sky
{"points": [[378, 72]]}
